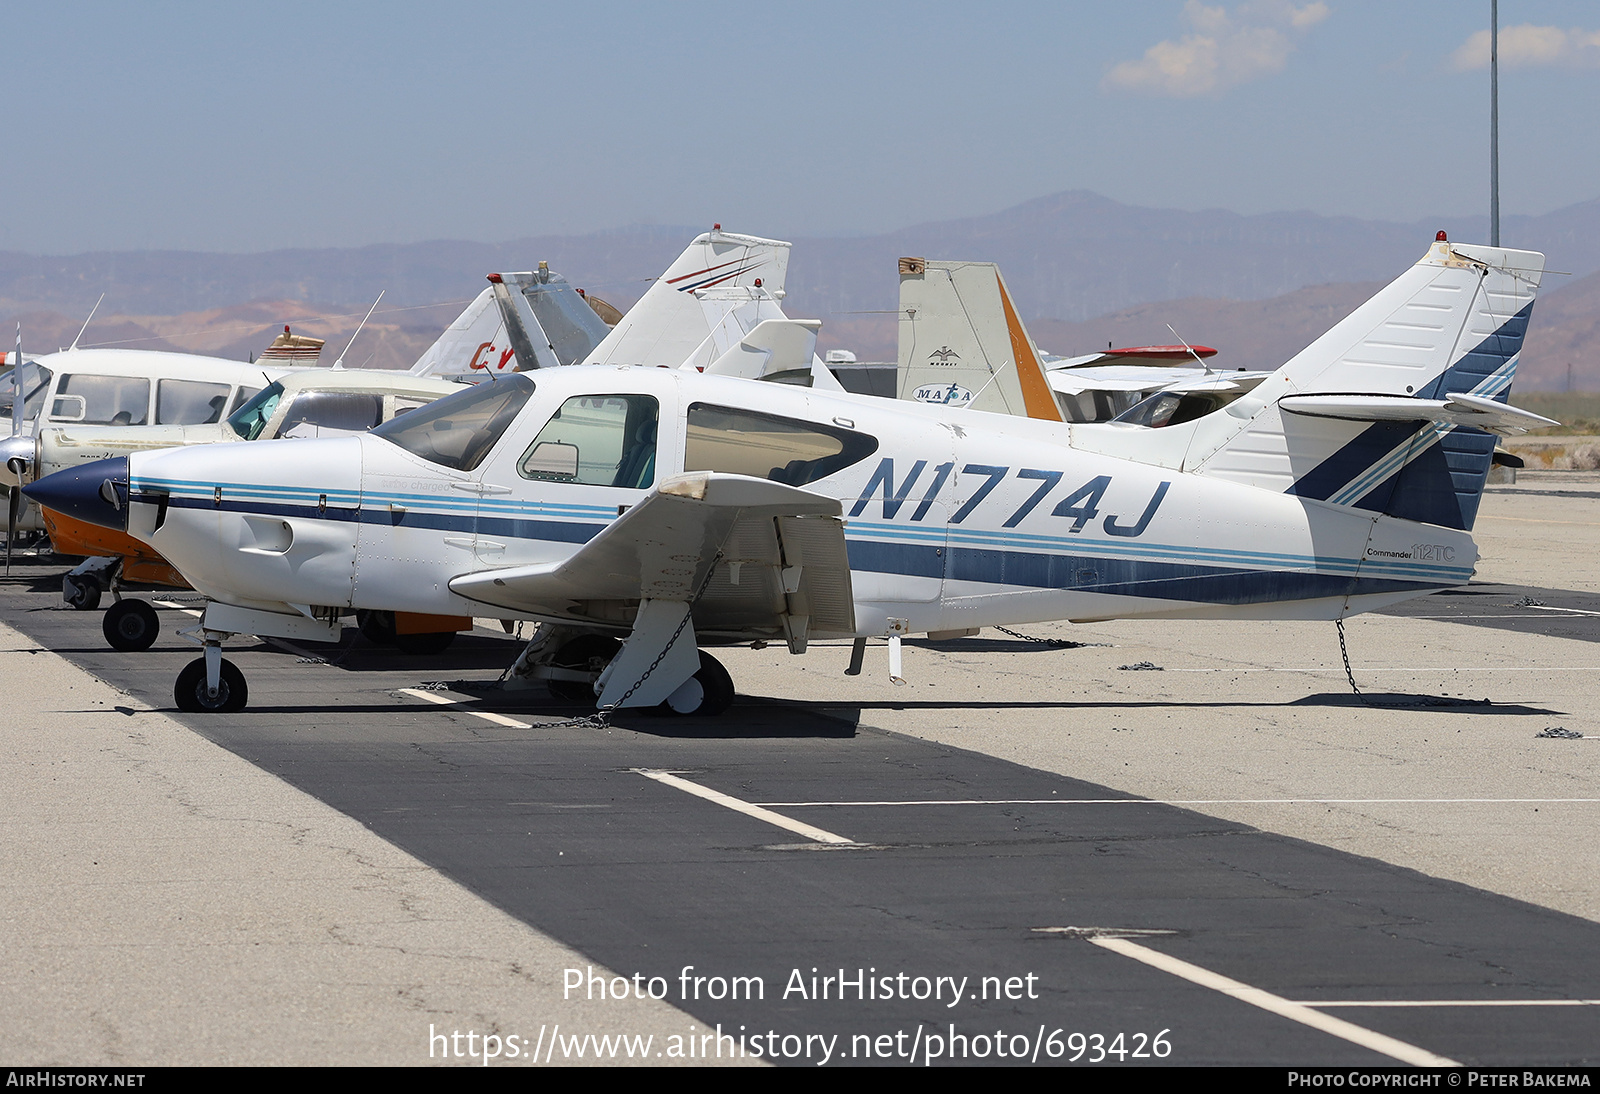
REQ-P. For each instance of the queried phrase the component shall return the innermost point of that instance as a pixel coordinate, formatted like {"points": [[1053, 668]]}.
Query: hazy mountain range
{"points": [[1084, 270]]}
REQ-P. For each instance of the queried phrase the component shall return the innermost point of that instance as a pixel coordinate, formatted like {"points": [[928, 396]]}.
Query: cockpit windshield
{"points": [[459, 430], [249, 420], [35, 384]]}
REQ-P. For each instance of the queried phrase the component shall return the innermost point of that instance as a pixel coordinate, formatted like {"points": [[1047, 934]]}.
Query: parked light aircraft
{"points": [[640, 513], [962, 344]]}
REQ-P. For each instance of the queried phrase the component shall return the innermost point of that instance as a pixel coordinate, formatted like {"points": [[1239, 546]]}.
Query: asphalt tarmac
{"points": [[1029, 853]]}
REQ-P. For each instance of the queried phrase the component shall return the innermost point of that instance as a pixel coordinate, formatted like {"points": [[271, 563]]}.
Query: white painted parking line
{"points": [[176, 607], [1276, 1004], [1549, 608], [1191, 801], [1452, 1003], [799, 827], [445, 701]]}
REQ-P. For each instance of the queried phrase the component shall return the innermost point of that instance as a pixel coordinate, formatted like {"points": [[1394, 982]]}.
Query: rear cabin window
{"points": [[765, 446], [104, 400], [597, 440], [459, 430], [190, 402]]}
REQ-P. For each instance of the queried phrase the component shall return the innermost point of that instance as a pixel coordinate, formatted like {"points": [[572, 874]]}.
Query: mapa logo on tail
{"points": [[943, 394]]}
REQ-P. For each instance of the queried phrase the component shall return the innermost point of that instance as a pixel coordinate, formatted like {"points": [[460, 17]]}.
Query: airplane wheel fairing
{"points": [[131, 625], [707, 693], [190, 690], [587, 653], [82, 593], [427, 642]]}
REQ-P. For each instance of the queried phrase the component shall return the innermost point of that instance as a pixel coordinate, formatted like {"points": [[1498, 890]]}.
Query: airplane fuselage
{"points": [[953, 519]]}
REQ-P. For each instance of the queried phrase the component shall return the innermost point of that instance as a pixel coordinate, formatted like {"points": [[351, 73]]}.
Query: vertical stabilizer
{"points": [[717, 291], [1451, 325], [472, 345], [962, 343]]}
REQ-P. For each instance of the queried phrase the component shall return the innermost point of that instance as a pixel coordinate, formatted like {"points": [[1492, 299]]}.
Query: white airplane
{"points": [[962, 344], [641, 513]]}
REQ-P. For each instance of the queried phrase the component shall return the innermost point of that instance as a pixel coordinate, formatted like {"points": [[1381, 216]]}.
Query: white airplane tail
{"points": [[712, 295], [472, 345], [962, 343], [1394, 410]]}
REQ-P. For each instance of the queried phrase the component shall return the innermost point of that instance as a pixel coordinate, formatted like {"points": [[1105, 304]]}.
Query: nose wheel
{"points": [[131, 625], [194, 696]]}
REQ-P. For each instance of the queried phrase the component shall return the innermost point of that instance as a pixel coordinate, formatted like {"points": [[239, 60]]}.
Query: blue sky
{"points": [[230, 127]]}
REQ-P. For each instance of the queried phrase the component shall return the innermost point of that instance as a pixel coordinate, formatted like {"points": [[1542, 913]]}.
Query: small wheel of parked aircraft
{"points": [[376, 627], [707, 693], [190, 690], [131, 625], [586, 653], [82, 592]]}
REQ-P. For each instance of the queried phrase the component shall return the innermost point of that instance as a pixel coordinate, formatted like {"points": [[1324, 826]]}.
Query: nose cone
{"points": [[96, 493]]}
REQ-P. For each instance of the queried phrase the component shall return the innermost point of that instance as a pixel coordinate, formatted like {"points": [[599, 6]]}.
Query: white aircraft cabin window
{"points": [[190, 402], [459, 430], [597, 440], [743, 442], [1166, 408], [331, 414], [249, 420], [102, 400]]}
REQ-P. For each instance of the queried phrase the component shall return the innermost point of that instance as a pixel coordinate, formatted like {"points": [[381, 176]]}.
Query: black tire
{"points": [[376, 627], [425, 643], [586, 653], [81, 592], [190, 690], [131, 625], [715, 691]]}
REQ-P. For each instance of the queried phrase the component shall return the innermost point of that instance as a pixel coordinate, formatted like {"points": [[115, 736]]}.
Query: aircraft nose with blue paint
{"points": [[95, 493]]}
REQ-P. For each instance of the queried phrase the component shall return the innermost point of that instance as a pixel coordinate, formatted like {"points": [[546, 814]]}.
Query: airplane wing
{"points": [[782, 565], [1458, 408]]}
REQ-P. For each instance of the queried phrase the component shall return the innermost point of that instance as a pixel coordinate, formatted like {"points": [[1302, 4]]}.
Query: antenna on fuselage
{"points": [[1190, 348], [89, 320], [340, 362]]}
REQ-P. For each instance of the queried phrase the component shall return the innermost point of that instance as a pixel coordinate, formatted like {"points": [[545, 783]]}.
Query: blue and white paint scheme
{"points": [[716, 510]]}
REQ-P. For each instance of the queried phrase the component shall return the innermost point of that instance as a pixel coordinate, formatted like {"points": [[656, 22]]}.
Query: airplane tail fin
{"points": [[1394, 410], [962, 344], [712, 295], [548, 322], [472, 345]]}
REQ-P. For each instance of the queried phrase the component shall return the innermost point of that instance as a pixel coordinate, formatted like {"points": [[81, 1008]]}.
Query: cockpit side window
{"points": [[786, 450], [597, 440], [1166, 408], [249, 420], [103, 400], [459, 430]]}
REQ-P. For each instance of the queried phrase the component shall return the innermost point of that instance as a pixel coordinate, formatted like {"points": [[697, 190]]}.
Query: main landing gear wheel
{"points": [[190, 690], [586, 653], [131, 625], [376, 627], [82, 592], [707, 693]]}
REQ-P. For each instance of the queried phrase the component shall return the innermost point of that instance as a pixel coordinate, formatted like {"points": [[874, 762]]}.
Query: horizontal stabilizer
{"points": [[774, 346], [1458, 408]]}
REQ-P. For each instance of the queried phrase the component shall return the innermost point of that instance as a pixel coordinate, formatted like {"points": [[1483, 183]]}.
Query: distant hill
{"points": [[1084, 270]]}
